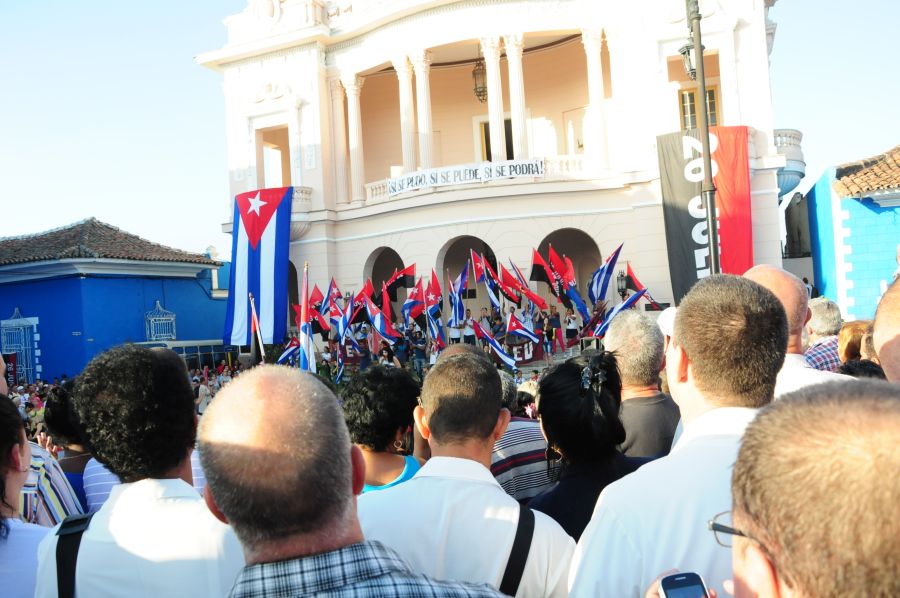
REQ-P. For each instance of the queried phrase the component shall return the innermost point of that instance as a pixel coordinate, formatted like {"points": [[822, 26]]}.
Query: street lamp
{"points": [[622, 284], [707, 189], [479, 78]]}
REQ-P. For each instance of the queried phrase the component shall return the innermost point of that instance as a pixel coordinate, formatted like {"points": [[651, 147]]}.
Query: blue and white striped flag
{"points": [[600, 330], [483, 334], [601, 277]]}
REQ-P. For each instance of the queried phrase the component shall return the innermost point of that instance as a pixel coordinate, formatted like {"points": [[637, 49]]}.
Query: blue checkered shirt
{"points": [[364, 569], [823, 354]]}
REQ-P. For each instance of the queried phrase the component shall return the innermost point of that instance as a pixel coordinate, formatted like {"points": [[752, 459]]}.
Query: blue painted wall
{"points": [[874, 234], [821, 235], [108, 311]]}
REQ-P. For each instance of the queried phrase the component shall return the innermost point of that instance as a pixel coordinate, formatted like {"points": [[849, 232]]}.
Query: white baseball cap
{"points": [[666, 321]]}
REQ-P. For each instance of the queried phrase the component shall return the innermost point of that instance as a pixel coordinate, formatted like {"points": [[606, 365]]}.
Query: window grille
{"points": [[160, 324]]}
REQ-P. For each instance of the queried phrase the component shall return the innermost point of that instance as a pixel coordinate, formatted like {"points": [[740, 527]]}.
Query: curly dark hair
{"points": [[60, 417], [136, 409], [378, 402], [582, 423], [11, 427]]}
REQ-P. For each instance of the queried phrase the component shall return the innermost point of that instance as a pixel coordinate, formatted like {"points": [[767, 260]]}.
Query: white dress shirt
{"points": [[151, 538], [655, 519], [453, 521], [796, 374]]}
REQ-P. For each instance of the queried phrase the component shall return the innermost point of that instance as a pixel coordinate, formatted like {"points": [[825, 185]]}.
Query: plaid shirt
{"points": [[823, 354], [364, 569]]}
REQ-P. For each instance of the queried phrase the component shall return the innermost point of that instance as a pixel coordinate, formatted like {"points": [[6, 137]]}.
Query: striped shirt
{"points": [[47, 497], [363, 569], [519, 460], [99, 481]]}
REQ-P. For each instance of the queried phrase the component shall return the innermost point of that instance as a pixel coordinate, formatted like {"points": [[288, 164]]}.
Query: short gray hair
{"points": [[638, 344], [509, 391], [826, 317]]}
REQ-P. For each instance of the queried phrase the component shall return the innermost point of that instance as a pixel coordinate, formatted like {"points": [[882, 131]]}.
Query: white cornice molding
{"points": [[97, 266]]}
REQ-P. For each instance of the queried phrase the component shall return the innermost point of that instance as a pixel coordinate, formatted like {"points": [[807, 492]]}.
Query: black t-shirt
{"points": [[650, 424]]}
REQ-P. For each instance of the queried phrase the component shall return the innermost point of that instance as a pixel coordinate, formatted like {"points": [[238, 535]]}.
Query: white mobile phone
{"points": [[683, 585]]}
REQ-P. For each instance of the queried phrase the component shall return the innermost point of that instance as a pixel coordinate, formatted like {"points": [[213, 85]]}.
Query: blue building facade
{"points": [[57, 314], [854, 234]]}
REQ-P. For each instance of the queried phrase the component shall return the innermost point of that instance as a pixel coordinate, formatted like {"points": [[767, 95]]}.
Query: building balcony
{"points": [[787, 143]]}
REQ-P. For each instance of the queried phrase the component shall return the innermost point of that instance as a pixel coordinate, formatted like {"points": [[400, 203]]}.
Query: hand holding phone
{"points": [[683, 585]]}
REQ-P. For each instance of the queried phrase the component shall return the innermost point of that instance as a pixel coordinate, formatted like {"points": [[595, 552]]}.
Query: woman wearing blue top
{"points": [[62, 424], [378, 406]]}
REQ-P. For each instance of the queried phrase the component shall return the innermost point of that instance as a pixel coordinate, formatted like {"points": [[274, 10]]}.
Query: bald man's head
{"points": [[886, 332], [789, 289], [276, 453]]}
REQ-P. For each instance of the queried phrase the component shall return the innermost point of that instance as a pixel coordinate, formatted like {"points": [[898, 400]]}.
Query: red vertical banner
{"points": [[732, 183]]}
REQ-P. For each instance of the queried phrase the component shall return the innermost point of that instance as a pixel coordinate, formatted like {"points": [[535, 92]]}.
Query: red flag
{"points": [[523, 288], [316, 298], [386, 307], [509, 286], [478, 263], [636, 285], [558, 267], [540, 271], [404, 278], [570, 271], [359, 302], [433, 291]]}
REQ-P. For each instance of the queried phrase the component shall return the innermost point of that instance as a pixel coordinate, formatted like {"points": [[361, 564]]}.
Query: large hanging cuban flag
{"points": [[259, 265]]}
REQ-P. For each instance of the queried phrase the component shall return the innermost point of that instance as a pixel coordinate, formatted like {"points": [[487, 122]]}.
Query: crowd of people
{"points": [[740, 436]]}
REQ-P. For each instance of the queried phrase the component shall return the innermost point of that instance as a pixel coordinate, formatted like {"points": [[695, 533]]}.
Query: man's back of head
{"points": [[793, 295], [277, 457], [461, 399], [136, 408], [638, 344], [733, 332], [826, 317], [886, 332], [815, 489]]}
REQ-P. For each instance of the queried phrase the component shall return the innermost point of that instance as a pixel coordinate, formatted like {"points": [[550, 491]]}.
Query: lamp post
{"points": [[622, 284], [707, 189]]}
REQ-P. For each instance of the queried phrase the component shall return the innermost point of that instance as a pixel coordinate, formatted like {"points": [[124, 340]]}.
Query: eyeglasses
{"points": [[720, 526]]}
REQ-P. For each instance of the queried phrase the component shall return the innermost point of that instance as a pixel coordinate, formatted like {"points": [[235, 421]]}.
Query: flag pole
{"points": [[262, 348]]}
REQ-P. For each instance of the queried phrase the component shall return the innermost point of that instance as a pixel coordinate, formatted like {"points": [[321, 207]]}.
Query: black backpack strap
{"points": [[515, 566], [69, 532]]}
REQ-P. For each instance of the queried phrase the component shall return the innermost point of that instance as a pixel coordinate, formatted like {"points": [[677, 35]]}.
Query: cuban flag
{"points": [[483, 334], [515, 326], [291, 351], [342, 325], [600, 278], [259, 265], [478, 262], [380, 323], [600, 330], [414, 306], [457, 292], [307, 355], [533, 298]]}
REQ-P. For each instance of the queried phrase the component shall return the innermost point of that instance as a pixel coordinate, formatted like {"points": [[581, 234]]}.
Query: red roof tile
{"points": [[91, 239], [881, 173]]}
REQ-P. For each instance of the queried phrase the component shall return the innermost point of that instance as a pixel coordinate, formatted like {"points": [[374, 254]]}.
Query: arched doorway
{"points": [[580, 248], [379, 268], [450, 260]]}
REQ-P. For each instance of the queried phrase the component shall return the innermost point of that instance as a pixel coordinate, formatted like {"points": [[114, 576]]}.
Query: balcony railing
{"points": [[575, 167]]}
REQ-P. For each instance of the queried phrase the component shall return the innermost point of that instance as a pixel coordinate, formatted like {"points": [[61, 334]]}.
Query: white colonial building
{"points": [[341, 99]]}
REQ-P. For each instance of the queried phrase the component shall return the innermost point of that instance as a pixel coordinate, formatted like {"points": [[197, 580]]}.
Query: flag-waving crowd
{"points": [[705, 441]]}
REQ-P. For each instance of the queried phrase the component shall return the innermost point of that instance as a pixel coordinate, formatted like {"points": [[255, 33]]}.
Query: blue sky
{"points": [[104, 113]]}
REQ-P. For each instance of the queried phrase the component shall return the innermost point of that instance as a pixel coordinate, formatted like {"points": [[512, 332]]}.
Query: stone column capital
{"points": [[352, 84], [421, 61], [514, 44], [490, 47], [591, 38], [402, 67], [335, 87]]}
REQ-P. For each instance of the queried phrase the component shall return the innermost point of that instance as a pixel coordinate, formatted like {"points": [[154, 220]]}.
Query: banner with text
{"points": [[680, 176], [10, 371], [461, 174]]}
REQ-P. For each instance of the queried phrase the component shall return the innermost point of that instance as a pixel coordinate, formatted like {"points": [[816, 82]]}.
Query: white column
{"points": [[490, 48], [513, 44], [421, 62], [339, 141], [595, 118], [407, 130], [353, 86]]}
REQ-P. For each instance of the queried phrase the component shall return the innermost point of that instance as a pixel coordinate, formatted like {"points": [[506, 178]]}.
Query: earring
{"points": [[398, 446]]}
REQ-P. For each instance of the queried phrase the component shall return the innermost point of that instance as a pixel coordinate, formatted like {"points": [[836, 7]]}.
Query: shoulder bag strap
{"points": [[70, 532], [515, 566]]}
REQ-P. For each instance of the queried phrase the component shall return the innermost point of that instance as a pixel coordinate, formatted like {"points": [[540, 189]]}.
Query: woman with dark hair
{"points": [[62, 424], [18, 540], [578, 407], [378, 407]]}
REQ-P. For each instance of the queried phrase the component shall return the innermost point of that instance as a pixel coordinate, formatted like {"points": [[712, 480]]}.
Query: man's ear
{"points": [[679, 365], [502, 422], [212, 506], [358, 468], [756, 576], [808, 316], [421, 422]]}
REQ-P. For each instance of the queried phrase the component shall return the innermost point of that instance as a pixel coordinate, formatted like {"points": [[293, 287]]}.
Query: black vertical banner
{"points": [[680, 175], [10, 370]]}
